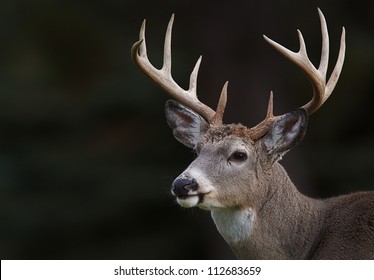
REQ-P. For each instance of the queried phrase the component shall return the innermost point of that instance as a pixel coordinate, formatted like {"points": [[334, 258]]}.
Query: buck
{"points": [[236, 175]]}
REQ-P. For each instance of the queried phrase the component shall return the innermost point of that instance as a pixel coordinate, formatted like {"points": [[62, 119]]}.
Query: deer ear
{"points": [[187, 126], [287, 131]]}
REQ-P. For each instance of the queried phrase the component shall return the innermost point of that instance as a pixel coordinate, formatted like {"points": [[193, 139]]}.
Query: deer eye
{"points": [[238, 156]]}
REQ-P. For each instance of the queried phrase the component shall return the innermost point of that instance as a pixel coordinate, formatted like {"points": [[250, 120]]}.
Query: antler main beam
{"points": [[322, 90], [164, 79]]}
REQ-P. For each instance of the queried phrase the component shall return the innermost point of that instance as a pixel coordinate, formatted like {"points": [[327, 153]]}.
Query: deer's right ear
{"points": [[187, 126]]}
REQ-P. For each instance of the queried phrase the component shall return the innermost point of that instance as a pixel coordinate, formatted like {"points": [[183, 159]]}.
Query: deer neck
{"points": [[282, 226]]}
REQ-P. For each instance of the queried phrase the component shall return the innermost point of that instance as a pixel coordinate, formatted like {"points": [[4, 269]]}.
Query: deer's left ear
{"points": [[287, 131]]}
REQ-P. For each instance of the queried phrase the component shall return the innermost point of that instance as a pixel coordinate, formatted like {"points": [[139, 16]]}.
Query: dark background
{"points": [[86, 157]]}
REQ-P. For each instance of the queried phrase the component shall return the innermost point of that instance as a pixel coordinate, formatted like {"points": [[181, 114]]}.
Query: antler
{"points": [[165, 80], [321, 89]]}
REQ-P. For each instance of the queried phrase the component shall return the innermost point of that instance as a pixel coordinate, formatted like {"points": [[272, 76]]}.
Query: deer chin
{"points": [[202, 200], [188, 201], [191, 200]]}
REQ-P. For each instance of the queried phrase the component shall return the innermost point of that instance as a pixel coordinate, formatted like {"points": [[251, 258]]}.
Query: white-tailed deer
{"points": [[236, 175]]}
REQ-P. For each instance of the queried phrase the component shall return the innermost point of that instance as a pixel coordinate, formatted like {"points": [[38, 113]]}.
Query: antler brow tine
{"points": [[218, 116]]}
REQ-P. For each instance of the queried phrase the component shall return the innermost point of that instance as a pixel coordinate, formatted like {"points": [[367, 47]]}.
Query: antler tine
{"points": [[165, 80], [218, 116], [263, 127], [322, 90], [324, 62], [338, 66]]}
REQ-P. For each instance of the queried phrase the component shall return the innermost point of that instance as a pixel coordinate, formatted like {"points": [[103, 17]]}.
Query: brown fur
{"points": [[254, 203], [289, 225], [237, 176]]}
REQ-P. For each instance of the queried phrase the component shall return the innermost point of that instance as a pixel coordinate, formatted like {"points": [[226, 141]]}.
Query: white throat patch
{"points": [[233, 225]]}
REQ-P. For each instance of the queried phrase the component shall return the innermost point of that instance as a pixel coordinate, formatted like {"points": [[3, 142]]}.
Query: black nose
{"points": [[183, 186]]}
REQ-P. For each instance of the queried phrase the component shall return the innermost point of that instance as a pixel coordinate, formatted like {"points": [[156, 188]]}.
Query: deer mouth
{"points": [[191, 200], [185, 196]]}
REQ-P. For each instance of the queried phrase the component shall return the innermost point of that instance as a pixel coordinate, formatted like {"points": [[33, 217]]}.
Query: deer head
{"points": [[228, 153], [236, 173]]}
